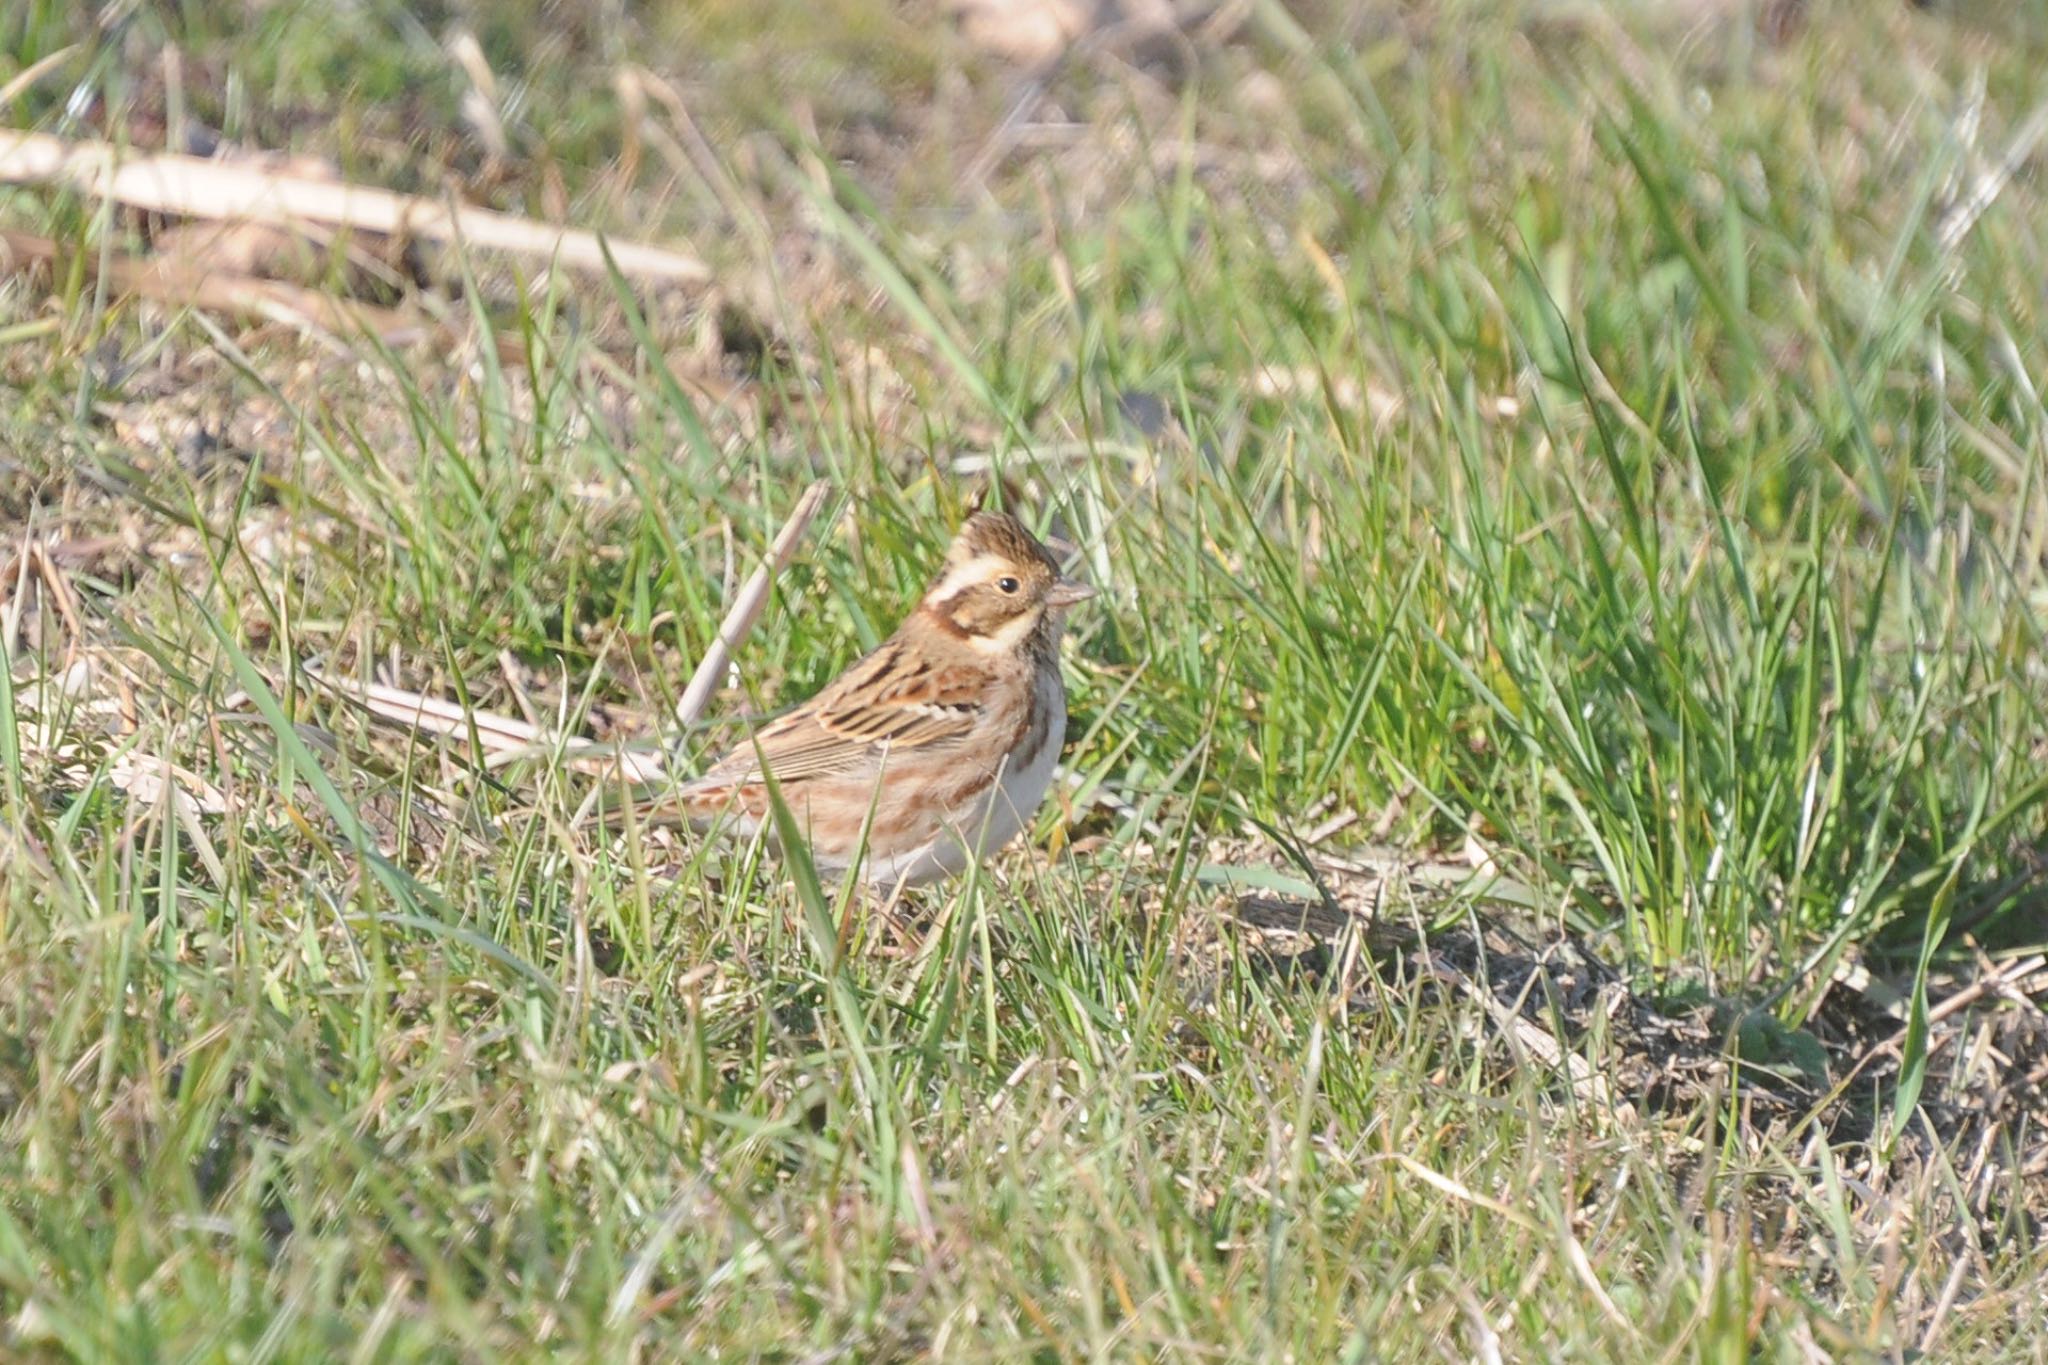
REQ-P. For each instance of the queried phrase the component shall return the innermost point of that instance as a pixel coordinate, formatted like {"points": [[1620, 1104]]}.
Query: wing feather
{"points": [[893, 699]]}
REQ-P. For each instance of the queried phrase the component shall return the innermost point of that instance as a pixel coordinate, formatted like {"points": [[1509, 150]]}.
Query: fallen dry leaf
{"points": [[147, 778]]}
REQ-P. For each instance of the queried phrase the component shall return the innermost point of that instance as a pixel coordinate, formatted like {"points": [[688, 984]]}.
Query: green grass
{"points": [[1592, 438]]}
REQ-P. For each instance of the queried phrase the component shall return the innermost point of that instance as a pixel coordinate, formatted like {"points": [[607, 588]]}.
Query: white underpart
{"points": [[990, 820]]}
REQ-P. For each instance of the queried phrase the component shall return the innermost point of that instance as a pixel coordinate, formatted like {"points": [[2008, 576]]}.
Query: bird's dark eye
{"points": [[1006, 584]]}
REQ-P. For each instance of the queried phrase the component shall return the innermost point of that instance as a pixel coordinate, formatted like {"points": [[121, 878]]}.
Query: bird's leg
{"points": [[917, 917], [901, 928], [868, 906]]}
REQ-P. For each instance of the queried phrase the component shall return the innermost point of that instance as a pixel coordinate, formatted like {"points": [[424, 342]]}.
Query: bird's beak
{"points": [[1067, 591]]}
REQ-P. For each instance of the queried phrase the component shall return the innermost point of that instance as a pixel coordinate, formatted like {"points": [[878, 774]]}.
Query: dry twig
{"points": [[196, 187], [747, 606], [508, 738]]}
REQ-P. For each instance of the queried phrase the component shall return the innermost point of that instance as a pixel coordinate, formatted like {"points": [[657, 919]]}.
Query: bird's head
{"points": [[1000, 584]]}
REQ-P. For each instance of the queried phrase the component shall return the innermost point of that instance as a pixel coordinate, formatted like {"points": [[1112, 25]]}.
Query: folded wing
{"points": [[892, 700]]}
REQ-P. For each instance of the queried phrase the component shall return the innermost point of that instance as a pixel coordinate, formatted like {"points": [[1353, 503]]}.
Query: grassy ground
{"points": [[1601, 451]]}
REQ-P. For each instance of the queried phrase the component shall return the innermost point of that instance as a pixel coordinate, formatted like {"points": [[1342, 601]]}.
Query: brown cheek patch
{"points": [[946, 622], [969, 613]]}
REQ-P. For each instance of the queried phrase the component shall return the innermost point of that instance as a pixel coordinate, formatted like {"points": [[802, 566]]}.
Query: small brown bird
{"points": [[947, 732]]}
